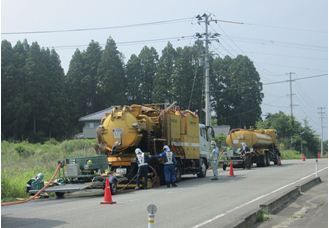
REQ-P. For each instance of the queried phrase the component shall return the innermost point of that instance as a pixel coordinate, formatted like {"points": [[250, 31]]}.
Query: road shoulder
{"points": [[308, 210]]}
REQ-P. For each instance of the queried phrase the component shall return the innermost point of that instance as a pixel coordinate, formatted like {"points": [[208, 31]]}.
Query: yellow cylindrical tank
{"points": [[253, 138], [120, 129]]}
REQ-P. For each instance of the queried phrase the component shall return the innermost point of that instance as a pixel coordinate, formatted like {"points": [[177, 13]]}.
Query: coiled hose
{"points": [[38, 193]]}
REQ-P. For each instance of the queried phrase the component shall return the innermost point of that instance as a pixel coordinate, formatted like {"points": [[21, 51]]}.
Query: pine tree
{"points": [[149, 59], [134, 78], [111, 77], [164, 75]]}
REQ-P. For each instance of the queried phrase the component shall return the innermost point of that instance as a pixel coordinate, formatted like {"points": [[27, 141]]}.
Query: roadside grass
{"points": [[263, 216], [22, 161], [290, 154]]}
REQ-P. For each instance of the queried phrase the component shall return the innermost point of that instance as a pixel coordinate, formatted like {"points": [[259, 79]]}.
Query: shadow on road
{"points": [[29, 222]]}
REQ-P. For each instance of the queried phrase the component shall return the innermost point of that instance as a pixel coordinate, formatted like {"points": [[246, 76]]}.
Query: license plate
{"points": [[121, 171]]}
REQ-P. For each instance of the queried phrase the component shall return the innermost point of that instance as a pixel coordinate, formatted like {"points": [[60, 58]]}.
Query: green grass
{"points": [[263, 216], [22, 161], [290, 154]]}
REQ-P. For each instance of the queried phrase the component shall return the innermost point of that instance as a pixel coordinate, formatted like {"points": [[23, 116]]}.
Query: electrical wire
{"points": [[127, 43], [260, 68], [295, 79], [177, 20], [283, 44]]}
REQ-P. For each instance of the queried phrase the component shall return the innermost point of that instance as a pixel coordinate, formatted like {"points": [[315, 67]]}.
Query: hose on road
{"points": [[38, 193]]}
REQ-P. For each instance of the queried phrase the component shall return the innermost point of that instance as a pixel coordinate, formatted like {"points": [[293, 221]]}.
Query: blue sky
{"points": [[279, 36]]}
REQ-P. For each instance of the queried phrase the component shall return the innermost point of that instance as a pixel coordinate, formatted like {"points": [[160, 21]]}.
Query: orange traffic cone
{"points": [[303, 157], [107, 193], [231, 170]]}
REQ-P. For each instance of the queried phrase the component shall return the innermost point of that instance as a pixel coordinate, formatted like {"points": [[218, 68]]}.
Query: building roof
{"points": [[96, 116]]}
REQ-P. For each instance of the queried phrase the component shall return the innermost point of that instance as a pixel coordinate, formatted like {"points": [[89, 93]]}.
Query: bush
{"points": [[290, 154], [23, 152], [24, 160]]}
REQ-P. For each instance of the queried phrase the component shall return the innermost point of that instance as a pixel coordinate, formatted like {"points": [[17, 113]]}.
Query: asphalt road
{"points": [[194, 203]]}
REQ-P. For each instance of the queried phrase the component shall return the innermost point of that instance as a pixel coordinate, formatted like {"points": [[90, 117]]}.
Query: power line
{"points": [[280, 43], [286, 28], [178, 38], [274, 26], [276, 106], [295, 79], [242, 51], [292, 56], [101, 28]]}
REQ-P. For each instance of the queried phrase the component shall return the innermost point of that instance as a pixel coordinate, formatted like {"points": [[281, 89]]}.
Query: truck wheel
{"points": [[178, 172], [59, 195], [268, 159], [114, 187], [203, 168], [261, 160], [247, 162]]}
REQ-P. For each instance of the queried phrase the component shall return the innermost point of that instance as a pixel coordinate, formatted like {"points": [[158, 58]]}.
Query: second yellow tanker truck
{"points": [[150, 127], [261, 146]]}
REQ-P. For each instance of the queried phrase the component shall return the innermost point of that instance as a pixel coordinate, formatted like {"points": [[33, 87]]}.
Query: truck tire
{"points": [[114, 188], [261, 160], [268, 159], [203, 168], [178, 171], [59, 195], [247, 162]]}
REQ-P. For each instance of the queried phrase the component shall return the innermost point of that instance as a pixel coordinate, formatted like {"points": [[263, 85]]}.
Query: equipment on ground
{"points": [[261, 146], [78, 174], [36, 183], [150, 127]]}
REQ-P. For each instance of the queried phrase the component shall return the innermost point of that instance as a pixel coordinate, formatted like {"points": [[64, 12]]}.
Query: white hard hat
{"points": [[243, 144], [138, 151], [166, 148]]}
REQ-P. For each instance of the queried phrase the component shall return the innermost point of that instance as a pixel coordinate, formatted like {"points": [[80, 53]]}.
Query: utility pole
{"points": [[322, 112], [206, 18], [291, 104], [291, 94]]}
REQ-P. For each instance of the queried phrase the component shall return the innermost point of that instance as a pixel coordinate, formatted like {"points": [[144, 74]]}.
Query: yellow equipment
{"points": [[262, 144], [253, 138], [150, 127]]}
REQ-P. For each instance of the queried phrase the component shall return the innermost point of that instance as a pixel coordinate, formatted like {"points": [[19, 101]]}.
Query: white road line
{"points": [[258, 198]]}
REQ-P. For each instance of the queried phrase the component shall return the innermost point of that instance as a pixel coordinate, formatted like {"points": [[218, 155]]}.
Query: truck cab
{"points": [[204, 142]]}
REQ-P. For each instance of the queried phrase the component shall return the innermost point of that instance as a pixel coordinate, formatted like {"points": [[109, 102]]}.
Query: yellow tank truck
{"points": [[252, 146], [150, 127]]}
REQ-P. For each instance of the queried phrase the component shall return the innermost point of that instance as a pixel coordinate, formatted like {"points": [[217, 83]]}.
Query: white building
{"points": [[92, 121]]}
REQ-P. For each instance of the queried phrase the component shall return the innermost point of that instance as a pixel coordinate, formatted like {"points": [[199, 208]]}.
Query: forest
{"points": [[40, 101]]}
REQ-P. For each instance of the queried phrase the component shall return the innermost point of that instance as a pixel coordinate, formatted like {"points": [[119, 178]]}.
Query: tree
{"points": [[239, 93], [182, 79], [92, 58], [292, 136], [134, 78], [57, 115], [164, 75], [111, 84], [74, 90], [149, 60]]}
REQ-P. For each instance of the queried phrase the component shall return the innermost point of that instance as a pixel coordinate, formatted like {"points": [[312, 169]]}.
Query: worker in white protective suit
{"points": [[142, 172], [214, 162]]}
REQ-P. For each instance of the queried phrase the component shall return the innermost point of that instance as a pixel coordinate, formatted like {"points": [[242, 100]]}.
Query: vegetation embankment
{"points": [[290, 154], [22, 161]]}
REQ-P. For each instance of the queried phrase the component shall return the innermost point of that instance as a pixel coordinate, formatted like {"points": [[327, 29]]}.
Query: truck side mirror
{"points": [[210, 132]]}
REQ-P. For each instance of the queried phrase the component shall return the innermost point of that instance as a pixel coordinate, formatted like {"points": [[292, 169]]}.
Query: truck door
{"points": [[204, 142]]}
